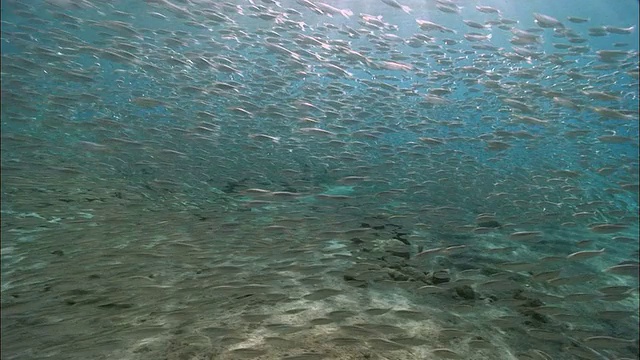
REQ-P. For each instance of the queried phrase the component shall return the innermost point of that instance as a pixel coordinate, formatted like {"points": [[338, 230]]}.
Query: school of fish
{"points": [[305, 179]]}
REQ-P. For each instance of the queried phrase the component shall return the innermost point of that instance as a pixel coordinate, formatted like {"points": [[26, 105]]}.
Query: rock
{"points": [[415, 274], [535, 316], [533, 303], [349, 277], [397, 275], [465, 292], [398, 236], [529, 302], [489, 271], [394, 247], [392, 261], [443, 262]]}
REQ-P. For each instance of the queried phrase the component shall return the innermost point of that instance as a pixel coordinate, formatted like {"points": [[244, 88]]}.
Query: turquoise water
{"points": [[196, 179]]}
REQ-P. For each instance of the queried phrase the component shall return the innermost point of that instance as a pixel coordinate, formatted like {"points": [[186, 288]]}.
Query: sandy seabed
{"points": [[103, 271]]}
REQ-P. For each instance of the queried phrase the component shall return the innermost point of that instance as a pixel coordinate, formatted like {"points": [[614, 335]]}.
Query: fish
{"points": [[525, 235], [607, 341], [477, 37], [585, 254], [331, 10], [624, 269], [487, 9], [316, 131], [393, 176], [474, 24], [397, 5], [619, 30], [427, 25], [444, 353], [448, 7], [577, 20], [546, 21], [607, 228]]}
